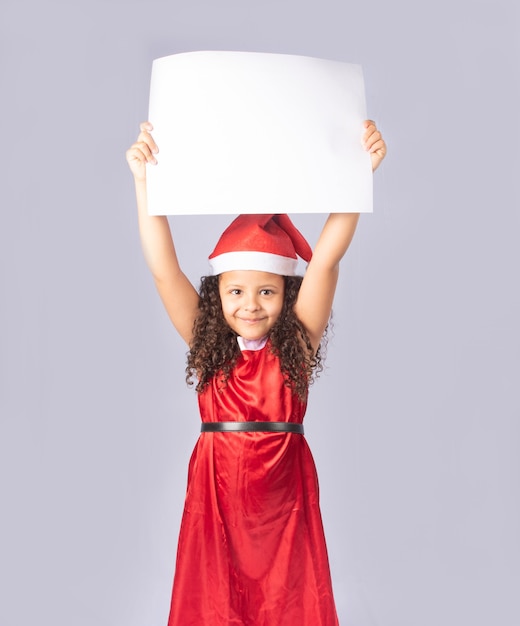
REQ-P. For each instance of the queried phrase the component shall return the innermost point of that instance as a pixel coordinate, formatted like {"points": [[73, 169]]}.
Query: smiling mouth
{"points": [[251, 320]]}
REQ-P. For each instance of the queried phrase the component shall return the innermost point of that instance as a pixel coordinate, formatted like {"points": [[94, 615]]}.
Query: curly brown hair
{"points": [[214, 349]]}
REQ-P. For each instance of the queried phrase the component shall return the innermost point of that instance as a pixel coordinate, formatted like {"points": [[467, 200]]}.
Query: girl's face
{"points": [[251, 301]]}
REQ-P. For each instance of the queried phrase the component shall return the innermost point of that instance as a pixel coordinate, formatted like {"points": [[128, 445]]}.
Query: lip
{"points": [[253, 320]]}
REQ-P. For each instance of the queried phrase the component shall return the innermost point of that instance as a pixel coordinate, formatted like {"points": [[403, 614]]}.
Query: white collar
{"points": [[251, 344]]}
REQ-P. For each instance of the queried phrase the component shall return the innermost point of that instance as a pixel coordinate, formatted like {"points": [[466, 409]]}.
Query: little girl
{"points": [[251, 548]]}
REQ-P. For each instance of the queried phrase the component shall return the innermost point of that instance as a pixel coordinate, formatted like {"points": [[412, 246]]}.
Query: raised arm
{"points": [[178, 295], [316, 295]]}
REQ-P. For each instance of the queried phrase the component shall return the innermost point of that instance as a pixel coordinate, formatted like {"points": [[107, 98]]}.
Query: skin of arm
{"points": [[178, 295], [316, 295], [314, 302]]}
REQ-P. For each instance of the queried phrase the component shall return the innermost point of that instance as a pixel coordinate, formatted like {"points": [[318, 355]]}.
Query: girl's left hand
{"points": [[374, 143]]}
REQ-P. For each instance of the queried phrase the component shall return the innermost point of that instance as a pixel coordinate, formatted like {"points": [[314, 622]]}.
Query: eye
{"points": [[266, 292], [235, 292]]}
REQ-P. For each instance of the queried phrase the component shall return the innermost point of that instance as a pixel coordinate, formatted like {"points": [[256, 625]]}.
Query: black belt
{"points": [[247, 427]]}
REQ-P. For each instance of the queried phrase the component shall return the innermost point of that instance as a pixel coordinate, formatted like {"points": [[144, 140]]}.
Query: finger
{"points": [[369, 126], [370, 129], [372, 138], [146, 150], [145, 137], [134, 154], [148, 139], [145, 126], [379, 147], [141, 151]]}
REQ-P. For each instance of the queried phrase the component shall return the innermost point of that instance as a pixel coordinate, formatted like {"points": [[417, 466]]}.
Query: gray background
{"points": [[415, 423]]}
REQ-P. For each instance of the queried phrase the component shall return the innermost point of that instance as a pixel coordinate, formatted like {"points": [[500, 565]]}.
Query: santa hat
{"points": [[268, 243]]}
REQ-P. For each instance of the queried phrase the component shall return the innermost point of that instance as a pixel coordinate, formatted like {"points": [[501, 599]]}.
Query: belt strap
{"points": [[246, 427]]}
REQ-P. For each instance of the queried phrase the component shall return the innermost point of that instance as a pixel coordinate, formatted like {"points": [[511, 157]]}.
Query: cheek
{"points": [[278, 309], [227, 309], [224, 310]]}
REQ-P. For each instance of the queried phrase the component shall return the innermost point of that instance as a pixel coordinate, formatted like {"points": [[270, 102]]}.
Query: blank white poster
{"points": [[248, 132]]}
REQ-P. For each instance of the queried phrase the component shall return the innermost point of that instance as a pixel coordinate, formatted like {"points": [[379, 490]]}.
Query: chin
{"points": [[253, 335]]}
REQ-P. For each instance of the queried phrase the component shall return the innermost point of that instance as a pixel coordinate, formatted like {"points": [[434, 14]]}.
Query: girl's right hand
{"points": [[142, 152]]}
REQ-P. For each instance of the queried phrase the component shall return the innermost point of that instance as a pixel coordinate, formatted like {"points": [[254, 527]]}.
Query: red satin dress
{"points": [[251, 548]]}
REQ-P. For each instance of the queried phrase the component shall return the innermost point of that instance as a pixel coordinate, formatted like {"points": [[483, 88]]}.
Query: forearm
{"points": [[156, 239], [335, 239], [319, 283]]}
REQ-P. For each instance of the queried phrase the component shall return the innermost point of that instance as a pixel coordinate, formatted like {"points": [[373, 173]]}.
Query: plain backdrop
{"points": [[415, 422]]}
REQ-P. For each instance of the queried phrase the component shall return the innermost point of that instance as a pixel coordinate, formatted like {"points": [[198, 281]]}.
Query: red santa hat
{"points": [[268, 243]]}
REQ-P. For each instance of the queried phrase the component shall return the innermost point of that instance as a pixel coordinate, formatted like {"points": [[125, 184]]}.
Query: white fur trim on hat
{"points": [[253, 260]]}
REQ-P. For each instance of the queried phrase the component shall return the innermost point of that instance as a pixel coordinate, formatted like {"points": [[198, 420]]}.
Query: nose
{"points": [[251, 303]]}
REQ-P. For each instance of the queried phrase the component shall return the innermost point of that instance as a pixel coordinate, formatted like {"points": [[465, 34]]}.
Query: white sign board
{"points": [[248, 132]]}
